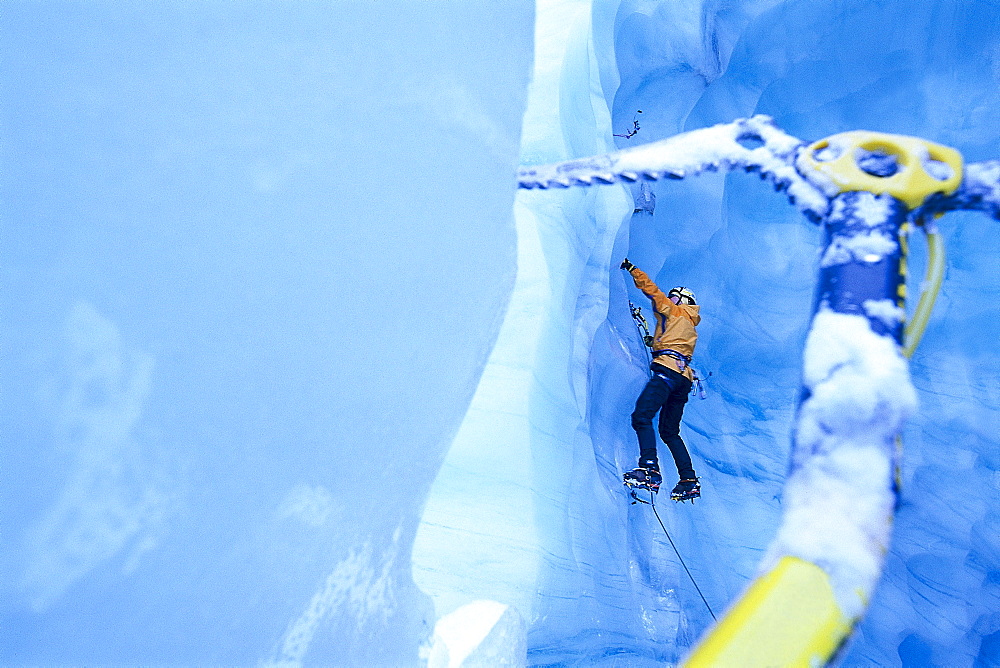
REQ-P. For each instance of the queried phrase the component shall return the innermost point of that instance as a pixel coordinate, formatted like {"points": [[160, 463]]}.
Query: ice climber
{"points": [[668, 388]]}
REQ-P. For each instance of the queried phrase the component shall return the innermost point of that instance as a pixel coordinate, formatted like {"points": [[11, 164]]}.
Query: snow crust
{"points": [[481, 634], [982, 185], [869, 246], [868, 208], [723, 146], [838, 498], [885, 310]]}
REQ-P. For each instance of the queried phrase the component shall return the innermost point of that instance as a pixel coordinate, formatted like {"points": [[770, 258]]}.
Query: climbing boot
{"points": [[643, 478], [687, 488]]}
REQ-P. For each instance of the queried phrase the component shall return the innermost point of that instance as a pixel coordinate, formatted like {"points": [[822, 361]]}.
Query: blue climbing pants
{"points": [[666, 392]]}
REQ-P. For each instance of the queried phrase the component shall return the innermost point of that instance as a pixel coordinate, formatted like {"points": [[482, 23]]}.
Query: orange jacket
{"points": [[675, 323]]}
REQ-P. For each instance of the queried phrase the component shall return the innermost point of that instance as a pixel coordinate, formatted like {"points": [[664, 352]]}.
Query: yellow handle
{"points": [[788, 617], [836, 158]]}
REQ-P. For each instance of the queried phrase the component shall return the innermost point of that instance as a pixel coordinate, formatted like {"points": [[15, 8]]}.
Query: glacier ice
{"points": [[818, 74], [271, 326], [481, 634], [686, 66], [254, 256]]}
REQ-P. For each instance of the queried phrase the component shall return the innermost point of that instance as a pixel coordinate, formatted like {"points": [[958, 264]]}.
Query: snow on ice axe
{"points": [[866, 189]]}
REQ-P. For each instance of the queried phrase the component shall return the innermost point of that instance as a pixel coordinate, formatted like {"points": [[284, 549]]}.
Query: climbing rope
{"points": [[643, 326], [827, 179], [652, 503]]}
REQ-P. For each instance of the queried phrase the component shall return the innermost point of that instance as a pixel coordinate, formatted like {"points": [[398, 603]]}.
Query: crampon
{"points": [[688, 489], [642, 478]]}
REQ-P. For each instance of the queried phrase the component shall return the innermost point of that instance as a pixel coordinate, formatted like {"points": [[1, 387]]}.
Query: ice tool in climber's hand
{"points": [[866, 189]]}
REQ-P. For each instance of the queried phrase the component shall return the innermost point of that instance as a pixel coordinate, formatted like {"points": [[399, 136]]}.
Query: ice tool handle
{"points": [[804, 609], [862, 187], [910, 169]]}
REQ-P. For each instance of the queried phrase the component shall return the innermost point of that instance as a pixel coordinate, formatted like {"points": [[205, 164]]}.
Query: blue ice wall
{"points": [[255, 259], [254, 256], [927, 69], [529, 510], [523, 511]]}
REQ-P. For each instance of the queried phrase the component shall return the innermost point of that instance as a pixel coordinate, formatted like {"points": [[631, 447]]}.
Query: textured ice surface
{"points": [[244, 311], [255, 259], [753, 261], [819, 73]]}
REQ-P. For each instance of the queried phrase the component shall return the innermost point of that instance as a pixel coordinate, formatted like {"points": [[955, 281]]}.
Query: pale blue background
{"points": [[254, 257]]}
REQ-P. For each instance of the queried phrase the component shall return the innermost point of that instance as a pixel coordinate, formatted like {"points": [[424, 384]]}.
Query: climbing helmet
{"points": [[683, 293]]}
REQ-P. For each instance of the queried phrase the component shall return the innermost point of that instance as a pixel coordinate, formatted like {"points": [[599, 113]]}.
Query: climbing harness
{"points": [[682, 360], [867, 190]]}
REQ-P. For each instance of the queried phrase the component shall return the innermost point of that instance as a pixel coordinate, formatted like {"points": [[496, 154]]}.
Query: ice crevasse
{"points": [[528, 508], [291, 373], [244, 310]]}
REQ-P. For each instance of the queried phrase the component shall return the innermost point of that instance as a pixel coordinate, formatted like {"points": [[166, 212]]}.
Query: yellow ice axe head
{"points": [[922, 167]]}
